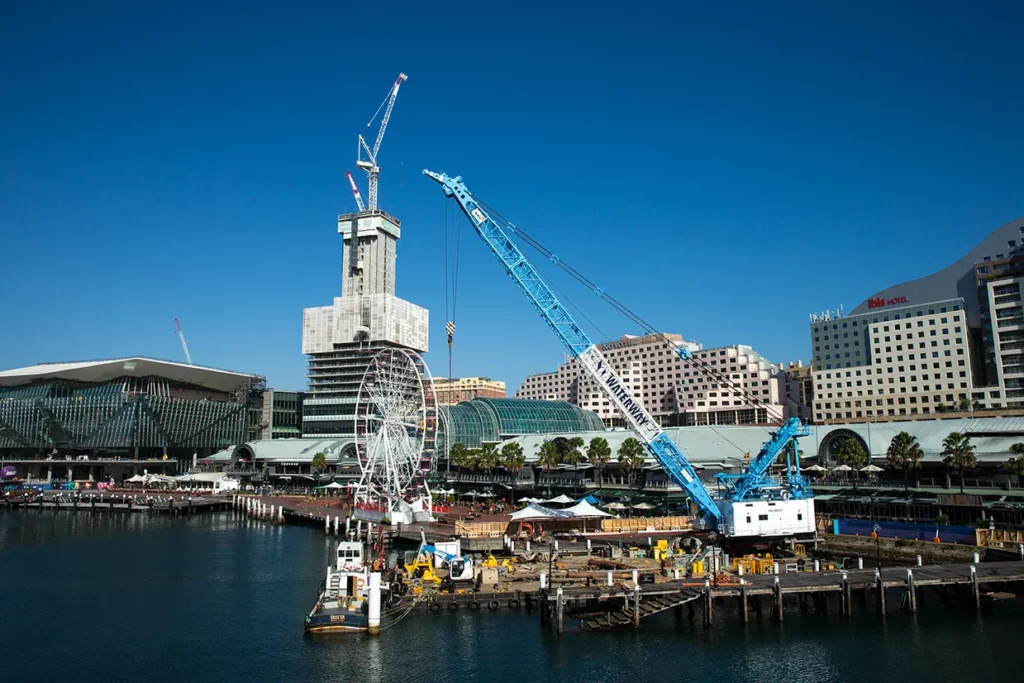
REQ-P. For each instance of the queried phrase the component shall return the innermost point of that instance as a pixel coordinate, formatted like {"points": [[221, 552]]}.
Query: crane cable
{"points": [[709, 371]]}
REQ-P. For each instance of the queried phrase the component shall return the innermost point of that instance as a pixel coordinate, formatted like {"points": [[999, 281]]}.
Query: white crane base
{"points": [[767, 519]]}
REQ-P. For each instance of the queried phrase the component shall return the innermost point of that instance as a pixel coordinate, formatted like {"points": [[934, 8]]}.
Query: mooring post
{"points": [[636, 606], [911, 593], [860, 563], [708, 608], [879, 591], [919, 561], [527, 545], [976, 558], [975, 588], [778, 600], [775, 568], [636, 576], [817, 565], [559, 608], [327, 524], [675, 573], [743, 600], [1020, 551], [543, 580], [373, 615], [610, 577], [844, 607], [588, 546], [849, 595]]}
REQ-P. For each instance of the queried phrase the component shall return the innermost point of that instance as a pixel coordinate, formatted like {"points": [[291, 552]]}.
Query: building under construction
{"points": [[341, 339]]}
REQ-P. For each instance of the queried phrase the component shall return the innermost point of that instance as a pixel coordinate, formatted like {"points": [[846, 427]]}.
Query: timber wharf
{"points": [[120, 502], [625, 604]]}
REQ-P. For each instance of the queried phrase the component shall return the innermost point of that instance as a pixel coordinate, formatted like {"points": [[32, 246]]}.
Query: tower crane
{"points": [[184, 346], [369, 164], [755, 505]]}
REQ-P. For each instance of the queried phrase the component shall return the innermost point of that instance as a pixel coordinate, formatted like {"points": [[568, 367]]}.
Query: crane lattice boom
{"points": [[184, 346], [665, 451]]}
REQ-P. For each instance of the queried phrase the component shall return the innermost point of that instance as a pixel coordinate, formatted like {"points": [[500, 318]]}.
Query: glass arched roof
{"points": [[495, 419]]}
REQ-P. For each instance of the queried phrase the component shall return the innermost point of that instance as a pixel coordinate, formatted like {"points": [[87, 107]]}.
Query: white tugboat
{"points": [[343, 603]]}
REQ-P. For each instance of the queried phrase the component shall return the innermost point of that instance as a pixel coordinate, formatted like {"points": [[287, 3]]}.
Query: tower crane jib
{"points": [[369, 164]]}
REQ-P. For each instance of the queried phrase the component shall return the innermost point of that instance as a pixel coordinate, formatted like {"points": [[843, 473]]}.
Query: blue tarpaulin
{"points": [[589, 498]]}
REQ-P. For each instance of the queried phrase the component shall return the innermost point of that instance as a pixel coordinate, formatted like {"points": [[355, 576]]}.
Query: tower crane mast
{"points": [[184, 346], [369, 164]]}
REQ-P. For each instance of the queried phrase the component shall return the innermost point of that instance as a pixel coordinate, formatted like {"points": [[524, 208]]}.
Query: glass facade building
{"points": [[482, 420]]}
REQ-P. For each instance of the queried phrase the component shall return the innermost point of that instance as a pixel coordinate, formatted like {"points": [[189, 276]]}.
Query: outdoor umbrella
{"points": [[615, 506], [562, 500], [871, 468], [815, 468], [842, 468], [643, 506]]}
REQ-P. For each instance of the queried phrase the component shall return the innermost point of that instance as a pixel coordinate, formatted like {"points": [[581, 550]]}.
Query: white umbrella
{"points": [[526, 499], [815, 468], [643, 506], [842, 468], [562, 500], [334, 485], [871, 468], [615, 506], [585, 509]]}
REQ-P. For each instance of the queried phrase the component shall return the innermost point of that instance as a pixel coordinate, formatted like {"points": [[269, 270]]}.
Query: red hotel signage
{"points": [[878, 301]]}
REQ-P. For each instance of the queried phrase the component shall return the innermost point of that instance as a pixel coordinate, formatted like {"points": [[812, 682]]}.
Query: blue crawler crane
{"points": [[753, 505]]}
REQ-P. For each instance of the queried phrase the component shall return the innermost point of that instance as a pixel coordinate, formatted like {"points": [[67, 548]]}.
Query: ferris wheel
{"points": [[395, 428]]}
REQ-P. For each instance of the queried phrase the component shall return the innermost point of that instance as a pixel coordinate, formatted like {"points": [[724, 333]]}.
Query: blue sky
{"points": [[722, 170]]}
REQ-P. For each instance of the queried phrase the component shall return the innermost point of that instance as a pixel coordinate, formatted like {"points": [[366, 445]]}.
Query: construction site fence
{"points": [[572, 525], [645, 524]]}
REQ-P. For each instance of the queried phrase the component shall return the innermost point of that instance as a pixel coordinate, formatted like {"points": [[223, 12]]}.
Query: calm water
{"points": [[128, 597]]}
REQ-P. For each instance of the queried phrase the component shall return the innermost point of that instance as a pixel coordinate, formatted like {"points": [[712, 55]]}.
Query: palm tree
{"points": [[319, 462], [959, 452], [512, 459], [572, 454], [1016, 465], [631, 455], [487, 457], [851, 453], [599, 453], [549, 458], [905, 453]]}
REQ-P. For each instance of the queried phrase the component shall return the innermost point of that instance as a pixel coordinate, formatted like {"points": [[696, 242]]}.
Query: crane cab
{"points": [[767, 519]]}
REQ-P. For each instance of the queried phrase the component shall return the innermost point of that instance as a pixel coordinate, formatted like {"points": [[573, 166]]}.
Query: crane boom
{"points": [[519, 268], [355, 191], [370, 163], [184, 346]]}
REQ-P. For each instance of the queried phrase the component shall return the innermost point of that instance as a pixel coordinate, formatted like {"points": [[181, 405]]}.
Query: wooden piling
{"points": [[778, 600], [879, 593], [559, 609], [743, 601], [636, 607]]}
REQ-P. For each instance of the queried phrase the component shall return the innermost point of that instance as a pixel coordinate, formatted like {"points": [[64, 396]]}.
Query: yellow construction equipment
{"points": [[423, 570]]}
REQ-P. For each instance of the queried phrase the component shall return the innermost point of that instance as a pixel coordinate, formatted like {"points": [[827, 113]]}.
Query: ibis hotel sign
{"points": [[880, 301]]}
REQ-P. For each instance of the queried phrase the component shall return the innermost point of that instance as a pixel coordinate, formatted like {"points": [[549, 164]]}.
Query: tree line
{"points": [[904, 454]]}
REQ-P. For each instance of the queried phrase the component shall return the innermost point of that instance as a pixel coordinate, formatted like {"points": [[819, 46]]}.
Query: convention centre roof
{"points": [[98, 371]]}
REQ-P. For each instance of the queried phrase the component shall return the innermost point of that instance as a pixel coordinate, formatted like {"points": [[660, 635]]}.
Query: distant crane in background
{"points": [[184, 346], [370, 163]]}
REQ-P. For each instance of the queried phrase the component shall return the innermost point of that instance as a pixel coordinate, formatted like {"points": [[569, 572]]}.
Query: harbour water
{"points": [[104, 597]]}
